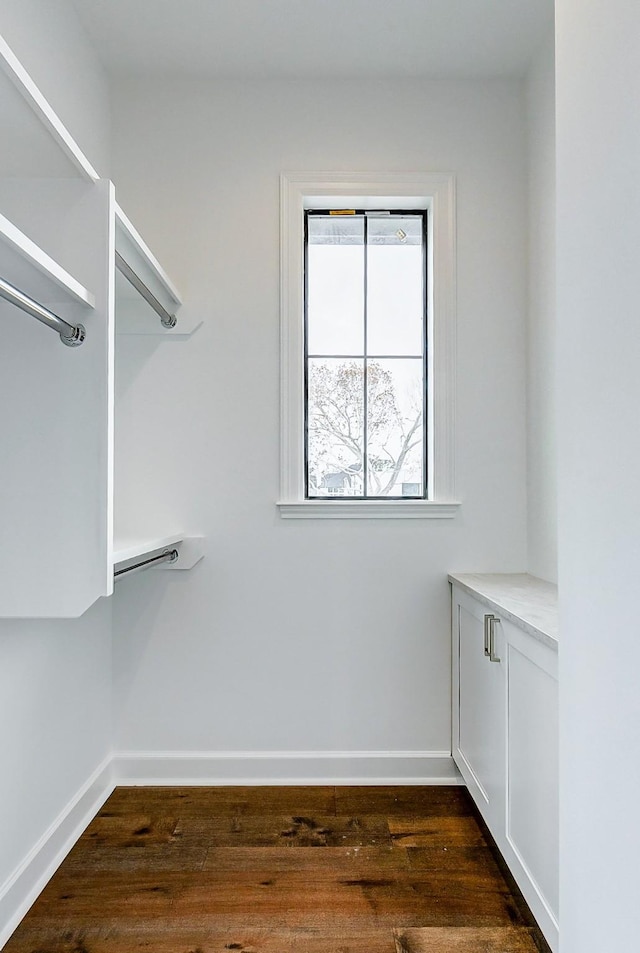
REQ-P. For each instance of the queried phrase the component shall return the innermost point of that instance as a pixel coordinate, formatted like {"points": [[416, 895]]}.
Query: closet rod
{"points": [[167, 320], [70, 334], [169, 556]]}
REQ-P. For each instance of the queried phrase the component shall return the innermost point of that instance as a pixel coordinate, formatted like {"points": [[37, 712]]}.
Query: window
{"points": [[365, 354], [367, 346]]}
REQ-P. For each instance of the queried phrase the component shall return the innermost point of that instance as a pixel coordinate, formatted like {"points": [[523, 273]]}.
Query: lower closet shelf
{"points": [[175, 551]]}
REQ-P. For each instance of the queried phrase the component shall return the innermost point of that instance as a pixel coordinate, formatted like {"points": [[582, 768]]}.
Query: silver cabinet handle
{"points": [[487, 620], [492, 634]]}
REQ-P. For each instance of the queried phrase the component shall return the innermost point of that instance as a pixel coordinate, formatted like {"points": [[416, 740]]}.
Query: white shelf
{"points": [[134, 315], [126, 549], [41, 145], [132, 246], [190, 550], [33, 271]]}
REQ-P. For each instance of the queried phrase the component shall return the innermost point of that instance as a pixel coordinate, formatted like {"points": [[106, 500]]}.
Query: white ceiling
{"points": [[316, 38]]}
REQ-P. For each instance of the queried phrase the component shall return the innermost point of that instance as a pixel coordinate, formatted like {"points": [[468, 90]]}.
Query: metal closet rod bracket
{"points": [[168, 556], [70, 334], [166, 319]]}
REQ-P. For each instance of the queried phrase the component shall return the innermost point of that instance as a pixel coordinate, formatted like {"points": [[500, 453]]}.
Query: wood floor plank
{"points": [[224, 801], [329, 861], [465, 940], [477, 862], [412, 800], [435, 831], [131, 829], [298, 830], [289, 899], [439, 898], [137, 842], [148, 938], [138, 858], [82, 896]]}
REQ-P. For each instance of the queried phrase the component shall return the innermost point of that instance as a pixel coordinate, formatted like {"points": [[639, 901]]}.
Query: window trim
{"points": [[435, 192]]}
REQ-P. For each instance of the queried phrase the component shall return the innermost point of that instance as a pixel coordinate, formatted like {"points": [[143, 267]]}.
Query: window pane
{"points": [[395, 415], [395, 284], [335, 424], [335, 290]]}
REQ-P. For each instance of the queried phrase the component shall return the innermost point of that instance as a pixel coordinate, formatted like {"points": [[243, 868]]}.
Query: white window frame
{"points": [[432, 191]]}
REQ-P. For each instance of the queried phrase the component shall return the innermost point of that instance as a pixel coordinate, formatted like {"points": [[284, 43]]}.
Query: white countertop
{"points": [[525, 600]]}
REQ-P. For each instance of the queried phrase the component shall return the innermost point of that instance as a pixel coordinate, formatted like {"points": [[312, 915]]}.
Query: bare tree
{"points": [[336, 424]]}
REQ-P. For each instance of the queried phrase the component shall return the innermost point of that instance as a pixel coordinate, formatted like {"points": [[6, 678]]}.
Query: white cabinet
{"points": [[532, 761], [62, 236], [479, 716], [505, 732]]}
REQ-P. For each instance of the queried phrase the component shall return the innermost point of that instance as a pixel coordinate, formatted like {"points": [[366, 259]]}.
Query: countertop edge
{"points": [[551, 641]]}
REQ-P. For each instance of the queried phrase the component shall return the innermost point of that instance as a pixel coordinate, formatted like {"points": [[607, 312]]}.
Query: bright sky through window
{"points": [[365, 357]]}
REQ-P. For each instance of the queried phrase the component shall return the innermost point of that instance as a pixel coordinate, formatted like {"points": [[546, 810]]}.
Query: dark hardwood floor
{"points": [[277, 870]]}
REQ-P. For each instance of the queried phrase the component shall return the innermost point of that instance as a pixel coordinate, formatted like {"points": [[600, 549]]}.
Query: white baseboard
{"points": [[285, 767], [27, 881]]}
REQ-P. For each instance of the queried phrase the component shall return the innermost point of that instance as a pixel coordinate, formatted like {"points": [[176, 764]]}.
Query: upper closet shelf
{"points": [[142, 286], [26, 265], [35, 284], [41, 145]]}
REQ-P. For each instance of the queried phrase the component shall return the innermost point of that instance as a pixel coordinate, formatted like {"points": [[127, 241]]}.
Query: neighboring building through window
{"points": [[365, 354]]}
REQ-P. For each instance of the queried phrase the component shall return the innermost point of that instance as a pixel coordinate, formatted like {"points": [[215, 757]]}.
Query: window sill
{"points": [[367, 509]]}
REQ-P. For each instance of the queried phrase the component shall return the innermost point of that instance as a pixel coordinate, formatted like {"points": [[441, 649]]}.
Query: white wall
{"points": [[55, 697], [541, 345], [598, 128], [52, 45], [305, 635]]}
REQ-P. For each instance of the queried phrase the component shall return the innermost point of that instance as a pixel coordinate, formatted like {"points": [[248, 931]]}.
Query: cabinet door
{"points": [[479, 693], [532, 770]]}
